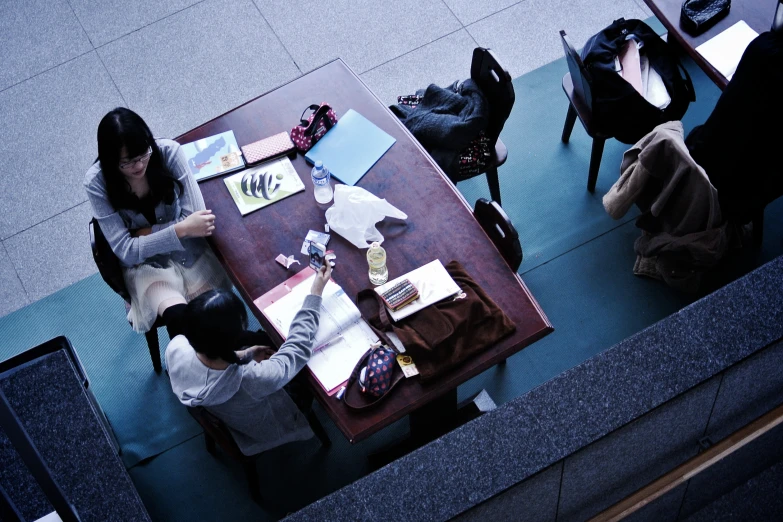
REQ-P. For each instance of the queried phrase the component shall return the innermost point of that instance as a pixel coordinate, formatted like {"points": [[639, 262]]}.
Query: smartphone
{"points": [[317, 253]]}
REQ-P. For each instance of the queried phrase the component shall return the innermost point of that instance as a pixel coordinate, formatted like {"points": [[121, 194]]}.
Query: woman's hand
{"points": [[201, 223], [262, 353], [258, 353], [321, 278], [146, 231]]}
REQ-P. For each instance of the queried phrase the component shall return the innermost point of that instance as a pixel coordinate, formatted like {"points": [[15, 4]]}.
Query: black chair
{"points": [[495, 82], [111, 272], [576, 85], [500, 230], [217, 433]]}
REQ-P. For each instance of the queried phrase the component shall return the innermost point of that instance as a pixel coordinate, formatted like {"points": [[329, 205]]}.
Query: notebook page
{"points": [[337, 310], [333, 365]]}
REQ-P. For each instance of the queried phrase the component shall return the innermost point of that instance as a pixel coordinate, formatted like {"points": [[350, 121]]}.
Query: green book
{"points": [[261, 186]]}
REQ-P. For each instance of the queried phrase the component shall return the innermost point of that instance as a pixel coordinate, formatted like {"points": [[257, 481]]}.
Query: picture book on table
{"points": [[342, 336], [213, 156], [261, 186]]}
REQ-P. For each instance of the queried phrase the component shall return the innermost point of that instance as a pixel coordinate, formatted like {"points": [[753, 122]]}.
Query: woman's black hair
{"points": [[124, 128], [214, 323]]}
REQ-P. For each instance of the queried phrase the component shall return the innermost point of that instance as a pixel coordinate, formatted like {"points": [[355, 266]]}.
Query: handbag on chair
{"points": [[618, 109]]}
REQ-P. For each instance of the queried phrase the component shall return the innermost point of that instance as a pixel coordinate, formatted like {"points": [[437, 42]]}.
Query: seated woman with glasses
{"points": [[150, 209], [249, 389]]}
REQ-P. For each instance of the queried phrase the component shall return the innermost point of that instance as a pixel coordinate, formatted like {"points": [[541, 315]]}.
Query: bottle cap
{"points": [[319, 164], [375, 244]]}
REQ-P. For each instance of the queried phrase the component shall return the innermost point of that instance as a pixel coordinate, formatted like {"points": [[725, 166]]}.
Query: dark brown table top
{"points": [[440, 225], [758, 14]]}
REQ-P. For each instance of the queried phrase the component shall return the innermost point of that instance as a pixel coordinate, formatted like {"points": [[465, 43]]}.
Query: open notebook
{"points": [[342, 336]]}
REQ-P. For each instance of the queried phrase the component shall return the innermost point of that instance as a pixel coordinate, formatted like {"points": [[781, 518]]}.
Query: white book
{"points": [[724, 50], [433, 283]]}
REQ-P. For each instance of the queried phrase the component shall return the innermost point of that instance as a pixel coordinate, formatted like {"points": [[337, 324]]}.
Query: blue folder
{"points": [[351, 147]]}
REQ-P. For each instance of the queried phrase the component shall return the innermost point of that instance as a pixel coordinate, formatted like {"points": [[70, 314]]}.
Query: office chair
{"points": [[500, 230], [495, 82], [576, 85], [216, 432], [111, 272]]}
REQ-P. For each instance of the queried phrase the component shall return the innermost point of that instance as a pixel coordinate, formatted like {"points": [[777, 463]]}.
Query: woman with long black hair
{"points": [[248, 387], [151, 211]]}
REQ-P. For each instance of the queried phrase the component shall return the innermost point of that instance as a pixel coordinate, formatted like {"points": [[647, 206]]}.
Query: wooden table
{"points": [[440, 225], [758, 14]]}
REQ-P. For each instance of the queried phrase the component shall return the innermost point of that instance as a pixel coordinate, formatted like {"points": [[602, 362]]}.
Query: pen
{"points": [[330, 343]]}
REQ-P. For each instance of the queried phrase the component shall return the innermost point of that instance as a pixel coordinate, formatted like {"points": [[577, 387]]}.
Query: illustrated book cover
{"points": [[260, 186], [213, 156]]}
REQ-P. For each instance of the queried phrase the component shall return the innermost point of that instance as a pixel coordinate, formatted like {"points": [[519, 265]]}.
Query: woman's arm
{"points": [[191, 199], [130, 250], [264, 378]]}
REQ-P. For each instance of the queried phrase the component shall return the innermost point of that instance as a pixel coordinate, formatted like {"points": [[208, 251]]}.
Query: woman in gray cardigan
{"points": [[244, 387], [150, 210]]}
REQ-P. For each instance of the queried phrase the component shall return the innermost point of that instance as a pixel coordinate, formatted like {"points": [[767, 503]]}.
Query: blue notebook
{"points": [[351, 147]]}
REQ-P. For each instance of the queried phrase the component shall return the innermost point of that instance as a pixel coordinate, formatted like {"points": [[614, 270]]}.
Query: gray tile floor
{"points": [[179, 63]]}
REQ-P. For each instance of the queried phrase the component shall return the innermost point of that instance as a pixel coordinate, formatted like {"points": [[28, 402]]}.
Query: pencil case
{"points": [[268, 148], [400, 295]]}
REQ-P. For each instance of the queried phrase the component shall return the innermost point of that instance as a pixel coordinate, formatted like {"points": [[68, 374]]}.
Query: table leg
{"points": [[432, 421]]}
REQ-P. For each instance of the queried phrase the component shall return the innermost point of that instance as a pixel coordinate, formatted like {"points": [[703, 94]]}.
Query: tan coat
{"points": [[683, 233]]}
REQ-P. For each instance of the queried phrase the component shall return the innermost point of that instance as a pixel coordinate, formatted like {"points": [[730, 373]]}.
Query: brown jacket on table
{"points": [[683, 232], [443, 335]]}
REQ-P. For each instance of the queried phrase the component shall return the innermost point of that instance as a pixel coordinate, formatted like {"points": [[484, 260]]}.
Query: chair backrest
{"points": [[500, 230], [218, 430], [106, 261], [579, 75], [495, 82]]}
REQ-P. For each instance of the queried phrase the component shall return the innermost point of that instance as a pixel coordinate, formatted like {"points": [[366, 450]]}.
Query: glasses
{"points": [[130, 163]]}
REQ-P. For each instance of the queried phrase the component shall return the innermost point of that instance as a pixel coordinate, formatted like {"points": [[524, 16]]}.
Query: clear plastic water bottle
{"points": [[321, 187], [376, 258]]}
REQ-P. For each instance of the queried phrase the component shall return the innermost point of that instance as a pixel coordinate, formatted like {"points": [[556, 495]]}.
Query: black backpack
{"points": [[618, 109]]}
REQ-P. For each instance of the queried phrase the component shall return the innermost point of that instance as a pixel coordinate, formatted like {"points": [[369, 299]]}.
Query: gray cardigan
{"points": [[162, 244], [249, 398]]}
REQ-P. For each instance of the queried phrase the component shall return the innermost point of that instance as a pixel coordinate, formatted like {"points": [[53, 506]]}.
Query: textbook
{"points": [[261, 186], [351, 147], [342, 336], [213, 156]]}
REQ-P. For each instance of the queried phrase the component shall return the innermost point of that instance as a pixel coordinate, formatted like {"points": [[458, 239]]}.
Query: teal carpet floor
{"points": [[578, 263]]}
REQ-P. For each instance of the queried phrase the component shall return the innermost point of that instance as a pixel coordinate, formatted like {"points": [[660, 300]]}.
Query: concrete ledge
{"points": [[529, 434]]}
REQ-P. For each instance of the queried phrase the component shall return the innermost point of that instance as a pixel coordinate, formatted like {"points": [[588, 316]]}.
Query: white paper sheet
{"points": [[724, 50]]}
